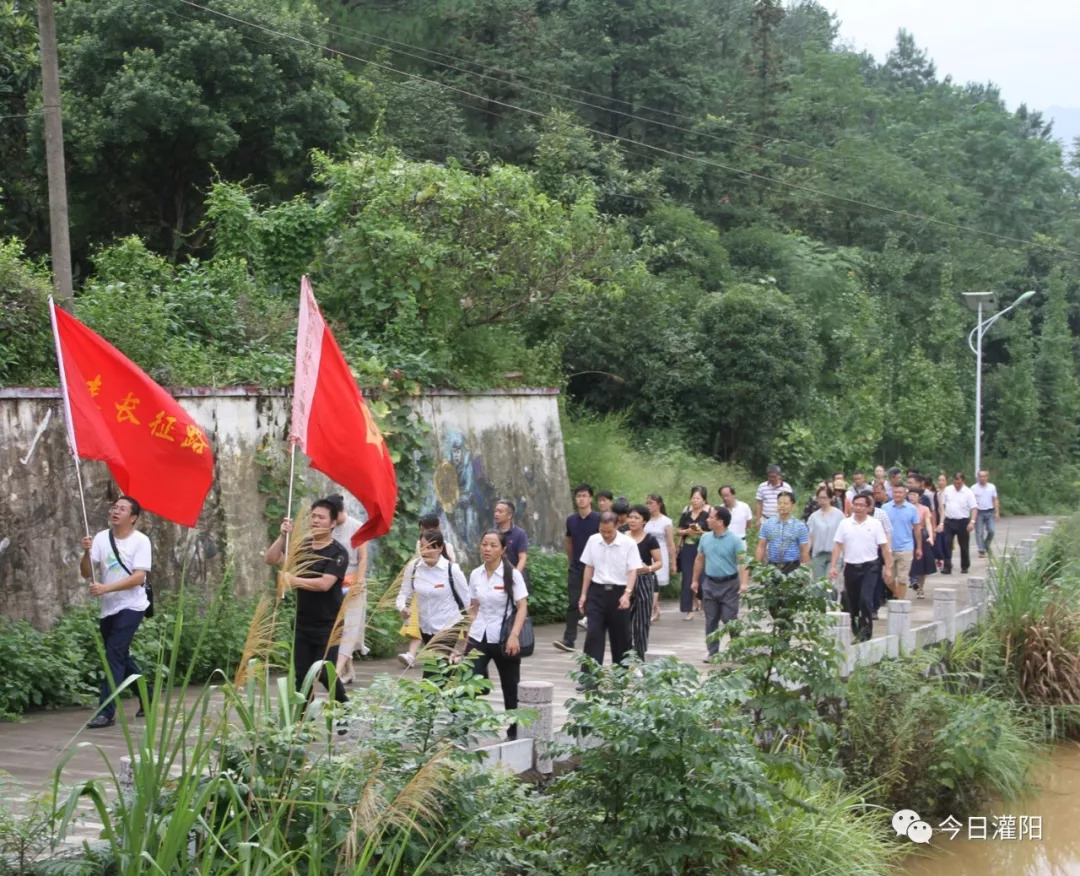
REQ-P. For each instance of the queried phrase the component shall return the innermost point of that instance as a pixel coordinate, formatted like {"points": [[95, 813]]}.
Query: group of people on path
{"points": [[860, 542]]}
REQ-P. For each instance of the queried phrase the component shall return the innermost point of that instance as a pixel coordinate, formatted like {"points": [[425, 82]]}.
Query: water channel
{"points": [[1056, 801]]}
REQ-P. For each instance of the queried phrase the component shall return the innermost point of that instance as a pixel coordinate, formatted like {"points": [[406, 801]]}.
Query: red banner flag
{"points": [[155, 451], [333, 424]]}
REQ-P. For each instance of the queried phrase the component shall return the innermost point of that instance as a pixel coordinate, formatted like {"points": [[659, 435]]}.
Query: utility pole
{"points": [[54, 157]]}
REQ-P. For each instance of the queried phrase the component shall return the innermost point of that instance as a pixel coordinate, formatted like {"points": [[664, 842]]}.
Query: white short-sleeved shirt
{"points": [[659, 528], [611, 561], [860, 541], [741, 515], [767, 495], [489, 593], [958, 504], [343, 534], [984, 496], [136, 553], [431, 584]]}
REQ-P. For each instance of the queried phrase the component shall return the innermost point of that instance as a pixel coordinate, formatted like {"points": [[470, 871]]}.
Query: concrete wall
{"points": [[482, 446]]}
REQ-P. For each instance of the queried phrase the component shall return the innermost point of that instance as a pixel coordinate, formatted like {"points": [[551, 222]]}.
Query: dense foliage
{"points": [[710, 217]]}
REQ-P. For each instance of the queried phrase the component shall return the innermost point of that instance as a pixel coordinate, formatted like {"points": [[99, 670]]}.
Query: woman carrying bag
{"points": [[500, 629], [437, 589]]}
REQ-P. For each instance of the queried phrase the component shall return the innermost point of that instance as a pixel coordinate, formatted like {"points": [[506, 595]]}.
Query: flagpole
{"points": [[288, 502], [72, 445]]}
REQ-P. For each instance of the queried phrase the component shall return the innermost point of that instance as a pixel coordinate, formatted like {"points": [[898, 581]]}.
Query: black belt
{"points": [[723, 580], [612, 586], [859, 565]]}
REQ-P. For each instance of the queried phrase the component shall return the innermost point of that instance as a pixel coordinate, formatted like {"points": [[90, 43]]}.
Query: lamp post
{"points": [[977, 301]]}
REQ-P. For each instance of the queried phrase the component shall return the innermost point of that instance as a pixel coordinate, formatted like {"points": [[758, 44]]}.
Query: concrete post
{"points": [[126, 774], [652, 655], [899, 625], [841, 628], [1046, 529], [539, 696], [945, 610], [977, 597]]}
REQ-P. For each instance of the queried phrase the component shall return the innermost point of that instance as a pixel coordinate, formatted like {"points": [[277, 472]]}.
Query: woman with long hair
{"points": [[693, 523], [658, 524], [641, 600], [928, 564], [497, 591]]}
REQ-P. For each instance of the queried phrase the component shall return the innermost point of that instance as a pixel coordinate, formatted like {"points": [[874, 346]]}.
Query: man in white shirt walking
{"points": [[767, 493], [121, 556], [958, 507], [858, 540], [352, 635], [611, 562], [740, 512], [989, 511]]}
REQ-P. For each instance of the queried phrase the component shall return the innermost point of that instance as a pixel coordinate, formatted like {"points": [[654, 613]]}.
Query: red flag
{"points": [[155, 451], [333, 424]]}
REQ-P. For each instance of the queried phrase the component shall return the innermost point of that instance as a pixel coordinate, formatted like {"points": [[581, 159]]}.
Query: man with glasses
{"points": [[784, 540], [121, 556]]}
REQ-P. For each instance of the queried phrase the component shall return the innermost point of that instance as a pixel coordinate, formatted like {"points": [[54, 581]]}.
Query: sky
{"points": [[1028, 49]]}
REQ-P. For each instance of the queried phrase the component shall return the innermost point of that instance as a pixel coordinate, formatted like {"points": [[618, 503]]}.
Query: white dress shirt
{"points": [[958, 504], [489, 593], [435, 601], [860, 541], [740, 516], [611, 561]]}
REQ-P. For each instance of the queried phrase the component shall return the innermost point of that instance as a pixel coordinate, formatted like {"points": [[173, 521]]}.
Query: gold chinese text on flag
{"points": [[115, 413]]}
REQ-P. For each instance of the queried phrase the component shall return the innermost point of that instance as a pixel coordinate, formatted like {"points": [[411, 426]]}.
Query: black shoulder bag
{"points": [[526, 638], [146, 581], [453, 589]]}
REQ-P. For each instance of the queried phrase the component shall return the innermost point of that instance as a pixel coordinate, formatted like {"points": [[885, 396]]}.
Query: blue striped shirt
{"points": [[783, 539]]}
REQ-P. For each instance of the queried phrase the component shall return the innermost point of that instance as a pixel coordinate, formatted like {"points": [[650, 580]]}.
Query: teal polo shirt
{"points": [[721, 553]]}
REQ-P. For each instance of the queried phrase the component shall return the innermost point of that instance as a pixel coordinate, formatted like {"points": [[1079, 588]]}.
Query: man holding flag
{"points": [[154, 450], [122, 556]]}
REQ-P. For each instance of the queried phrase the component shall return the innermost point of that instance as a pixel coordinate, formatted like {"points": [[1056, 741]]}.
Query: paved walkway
{"points": [[31, 749]]}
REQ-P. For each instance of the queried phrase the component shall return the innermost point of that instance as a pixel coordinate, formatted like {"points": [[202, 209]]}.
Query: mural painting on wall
{"points": [[462, 496]]}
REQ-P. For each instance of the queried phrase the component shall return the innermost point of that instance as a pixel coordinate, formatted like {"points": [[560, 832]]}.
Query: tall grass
{"points": [[605, 452]]}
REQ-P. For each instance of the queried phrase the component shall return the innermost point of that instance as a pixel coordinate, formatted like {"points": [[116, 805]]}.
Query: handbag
{"points": [[526, 638], [146, 580]]}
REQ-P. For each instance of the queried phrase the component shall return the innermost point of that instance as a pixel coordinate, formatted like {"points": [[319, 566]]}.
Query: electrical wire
{"points": [[929, 220], [841, 165]]}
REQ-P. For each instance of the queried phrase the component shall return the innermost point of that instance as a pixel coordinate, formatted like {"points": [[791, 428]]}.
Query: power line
{"points": [[842, 165], [941, 223]]}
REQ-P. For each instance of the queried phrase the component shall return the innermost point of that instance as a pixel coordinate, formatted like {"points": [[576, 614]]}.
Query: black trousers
{"points": [[687, 556], [573, 596], [860, 586], [958, 527], [309, 646], [605, 617], [509, 668], [118, 630]]}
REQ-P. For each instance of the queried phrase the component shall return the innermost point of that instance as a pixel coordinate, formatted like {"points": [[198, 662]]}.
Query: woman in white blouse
{"points": [[439, 587], [489, 607]]}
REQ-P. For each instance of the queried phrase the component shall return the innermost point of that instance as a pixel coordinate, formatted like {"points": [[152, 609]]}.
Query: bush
{"points": [[605, 452], [918, 746], [62, 667], [547, 587]]}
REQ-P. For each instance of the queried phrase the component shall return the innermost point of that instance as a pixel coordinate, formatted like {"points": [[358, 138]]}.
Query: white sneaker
{"points": [[883, 613], [583, 624], [407, 660]]}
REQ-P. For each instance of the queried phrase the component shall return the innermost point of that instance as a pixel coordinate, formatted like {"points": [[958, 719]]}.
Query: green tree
{"points": [[1014, 431], [159, 97], [1055, 373]]}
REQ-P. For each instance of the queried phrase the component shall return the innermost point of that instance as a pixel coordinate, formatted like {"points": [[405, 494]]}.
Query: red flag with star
{"points": [[155, 451], [333, 425]]}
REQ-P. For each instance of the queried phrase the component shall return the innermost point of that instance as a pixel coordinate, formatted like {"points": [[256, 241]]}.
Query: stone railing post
{"points": [[126, 774], [945, 610], [539, 696], [652, 655], [977, 597], [898, 625], [1027, 550], [840, 628], [1046, 529]]}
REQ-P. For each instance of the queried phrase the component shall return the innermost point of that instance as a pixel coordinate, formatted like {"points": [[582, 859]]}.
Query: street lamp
{"points": [[977, 301]]}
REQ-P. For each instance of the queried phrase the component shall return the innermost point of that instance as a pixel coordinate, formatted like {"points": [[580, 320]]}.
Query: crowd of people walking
{"points": [[861, 542]]}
